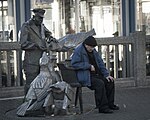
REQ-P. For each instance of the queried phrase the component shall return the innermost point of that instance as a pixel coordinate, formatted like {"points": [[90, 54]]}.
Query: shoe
{"points": [[114, 107], [106, 111]]}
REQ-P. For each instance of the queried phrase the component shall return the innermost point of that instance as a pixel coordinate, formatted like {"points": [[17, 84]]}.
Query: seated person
{"points": [[91, 72]]}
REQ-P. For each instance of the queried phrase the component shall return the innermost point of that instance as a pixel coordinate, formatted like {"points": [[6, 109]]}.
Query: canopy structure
{"points": [[70, 41]]}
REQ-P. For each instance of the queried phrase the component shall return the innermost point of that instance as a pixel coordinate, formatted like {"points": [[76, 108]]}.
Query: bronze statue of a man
{"points": [[33, 37]]}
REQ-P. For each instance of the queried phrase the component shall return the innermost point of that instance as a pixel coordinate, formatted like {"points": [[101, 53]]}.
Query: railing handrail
{"points": [[9, 46], [137, 40], [114, 40]]}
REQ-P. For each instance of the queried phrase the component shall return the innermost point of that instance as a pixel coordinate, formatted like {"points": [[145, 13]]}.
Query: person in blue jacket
{"points": [[91, 72]]}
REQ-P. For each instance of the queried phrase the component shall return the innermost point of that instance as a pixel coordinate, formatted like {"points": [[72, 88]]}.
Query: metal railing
{"points": [[10, 64], [124, 56]]}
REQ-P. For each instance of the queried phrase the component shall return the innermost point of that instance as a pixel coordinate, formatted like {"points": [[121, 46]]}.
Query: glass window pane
{"points": [[6, 20], [143, 15], [103, 16]]}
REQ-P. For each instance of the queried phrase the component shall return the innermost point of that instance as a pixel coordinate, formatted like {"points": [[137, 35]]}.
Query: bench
{"points": [[69, 76]]}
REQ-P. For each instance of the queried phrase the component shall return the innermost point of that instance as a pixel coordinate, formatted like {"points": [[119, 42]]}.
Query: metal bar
{"points": [[107, 58], [8, 68], [124, 62], [131, 60], [63, 56], [116, 58], [0, 71], [17, 68]]}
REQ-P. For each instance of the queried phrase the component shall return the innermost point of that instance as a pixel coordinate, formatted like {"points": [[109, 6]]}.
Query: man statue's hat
{"points": [[39, 12]]}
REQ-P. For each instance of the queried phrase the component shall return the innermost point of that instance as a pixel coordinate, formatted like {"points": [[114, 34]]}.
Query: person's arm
{"points": [[103, 69], [24, 39], [78, 62], [101, 65], [47, 33]]}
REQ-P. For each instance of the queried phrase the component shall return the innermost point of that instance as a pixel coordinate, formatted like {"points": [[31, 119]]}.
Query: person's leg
{"points": [[110, 92], [100, 94]]}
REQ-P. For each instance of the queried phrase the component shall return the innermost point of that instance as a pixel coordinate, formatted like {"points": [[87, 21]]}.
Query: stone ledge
{"points": [[8, 92]]}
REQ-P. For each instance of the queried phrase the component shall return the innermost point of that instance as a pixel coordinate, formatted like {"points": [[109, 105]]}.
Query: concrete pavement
{"points": [[134, 105]]}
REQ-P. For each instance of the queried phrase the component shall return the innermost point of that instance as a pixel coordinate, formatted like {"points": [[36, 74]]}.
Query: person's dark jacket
{"points": [[81, 63], [33, 42]]}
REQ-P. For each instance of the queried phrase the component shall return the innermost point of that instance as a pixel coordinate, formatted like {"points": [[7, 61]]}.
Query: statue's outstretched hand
{"points": [[52, 39]]}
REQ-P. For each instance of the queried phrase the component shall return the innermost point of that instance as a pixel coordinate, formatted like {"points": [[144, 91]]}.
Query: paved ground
{"points": [[134, 105]]}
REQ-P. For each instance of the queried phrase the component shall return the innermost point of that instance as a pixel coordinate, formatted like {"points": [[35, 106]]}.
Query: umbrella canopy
{"points": [[70, 41]]}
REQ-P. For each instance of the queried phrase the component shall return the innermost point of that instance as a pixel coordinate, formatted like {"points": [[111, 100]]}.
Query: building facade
{"points": [[72, 16]]}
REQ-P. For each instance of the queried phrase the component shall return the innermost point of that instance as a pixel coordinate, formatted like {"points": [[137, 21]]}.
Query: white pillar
{"points": [[15, 27], [77, 29], [55, 18], [10, 14], [22, 11]]}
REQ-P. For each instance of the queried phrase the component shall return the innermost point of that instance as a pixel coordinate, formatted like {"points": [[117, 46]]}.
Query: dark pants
{"points": [[104, 91], [31, 72]]}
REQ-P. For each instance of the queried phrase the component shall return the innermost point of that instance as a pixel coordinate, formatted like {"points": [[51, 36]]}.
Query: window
{"points": [[143, 16], [103, 15], [6, 21]]}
